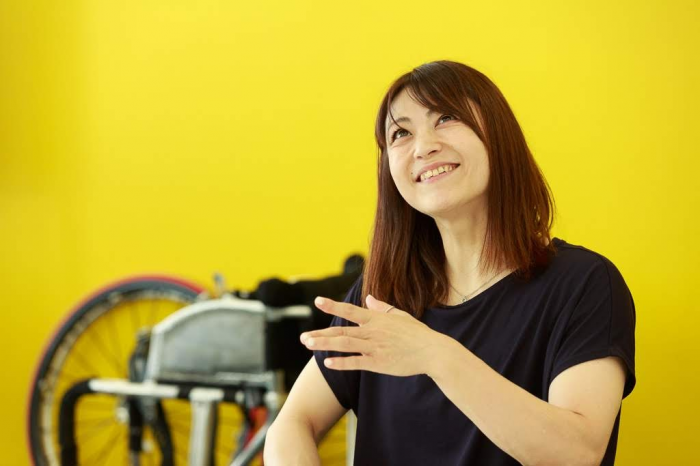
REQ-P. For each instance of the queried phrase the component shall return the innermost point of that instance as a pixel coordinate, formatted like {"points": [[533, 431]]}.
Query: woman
{"points": [[473, 337]]}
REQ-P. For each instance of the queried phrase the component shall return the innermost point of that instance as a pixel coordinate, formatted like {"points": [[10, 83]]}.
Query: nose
{"points": [[426, 144]]}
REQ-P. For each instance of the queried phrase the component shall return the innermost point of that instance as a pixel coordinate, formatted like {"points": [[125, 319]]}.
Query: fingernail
{"points": [[310, 342], [328, 362], [302, 337], [320, 301]]}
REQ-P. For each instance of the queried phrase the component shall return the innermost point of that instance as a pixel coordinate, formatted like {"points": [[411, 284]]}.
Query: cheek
{"points": [[486, 167], [396, 171], [483, 178], [480, 159], [399, 176]]}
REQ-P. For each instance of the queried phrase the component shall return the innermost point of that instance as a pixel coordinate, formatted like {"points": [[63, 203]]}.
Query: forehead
{"points": [[404, 108]]}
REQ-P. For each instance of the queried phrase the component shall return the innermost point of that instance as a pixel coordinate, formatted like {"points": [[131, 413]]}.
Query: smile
{"points": [[431, 176]]}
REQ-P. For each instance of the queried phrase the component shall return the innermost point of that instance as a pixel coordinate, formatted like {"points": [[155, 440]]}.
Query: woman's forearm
{"points": [[291, 442], [529, 429]]}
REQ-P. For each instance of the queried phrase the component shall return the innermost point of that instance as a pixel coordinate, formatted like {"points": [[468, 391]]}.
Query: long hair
{"points": [[406, 263]]}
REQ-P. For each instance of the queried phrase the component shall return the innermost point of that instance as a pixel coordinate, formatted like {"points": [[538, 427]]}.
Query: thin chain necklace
{"points": [[467, 297]]}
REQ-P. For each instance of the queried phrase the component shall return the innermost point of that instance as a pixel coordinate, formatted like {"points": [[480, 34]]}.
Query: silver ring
{"points": [[388, 309]]}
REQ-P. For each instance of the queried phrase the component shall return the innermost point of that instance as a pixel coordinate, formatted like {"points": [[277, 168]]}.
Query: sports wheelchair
{"points": [[159, 371]]}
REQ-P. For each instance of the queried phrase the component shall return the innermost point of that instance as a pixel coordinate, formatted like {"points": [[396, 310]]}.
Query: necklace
{"points": [[467, 297]]}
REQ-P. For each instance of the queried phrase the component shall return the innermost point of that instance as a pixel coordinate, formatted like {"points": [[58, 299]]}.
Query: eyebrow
{"points": [[404, 118]]}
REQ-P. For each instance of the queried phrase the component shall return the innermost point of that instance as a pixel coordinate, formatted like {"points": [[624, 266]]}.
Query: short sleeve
{"points": [[601, 323], [344, 384]]}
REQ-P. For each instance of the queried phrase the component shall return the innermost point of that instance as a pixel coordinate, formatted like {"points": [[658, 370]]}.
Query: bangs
{"points": [[433, 89]]}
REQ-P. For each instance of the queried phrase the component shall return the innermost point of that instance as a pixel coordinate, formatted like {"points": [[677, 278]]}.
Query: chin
{"points": [[443, 209], [434, 211]]}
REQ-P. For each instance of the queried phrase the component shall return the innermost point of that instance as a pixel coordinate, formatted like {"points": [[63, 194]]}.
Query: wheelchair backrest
{"points": [[216, 340]]}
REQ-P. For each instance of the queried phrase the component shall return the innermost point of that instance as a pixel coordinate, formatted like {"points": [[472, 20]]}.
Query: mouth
{"points": [[431, 176]]}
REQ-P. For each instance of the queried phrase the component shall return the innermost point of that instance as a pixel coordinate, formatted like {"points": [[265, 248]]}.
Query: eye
{"points": [[447, 116], [396, 133]]}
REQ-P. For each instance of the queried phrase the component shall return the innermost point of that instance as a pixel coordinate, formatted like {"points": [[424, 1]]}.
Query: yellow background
{"points": [[188, 137]]}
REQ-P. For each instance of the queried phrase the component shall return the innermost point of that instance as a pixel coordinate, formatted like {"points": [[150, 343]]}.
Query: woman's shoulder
{"points": [[576, 263], [574, 257], [587, 283]]}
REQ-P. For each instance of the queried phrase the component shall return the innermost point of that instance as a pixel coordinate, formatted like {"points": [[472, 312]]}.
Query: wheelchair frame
{"points": [[204, 391]]}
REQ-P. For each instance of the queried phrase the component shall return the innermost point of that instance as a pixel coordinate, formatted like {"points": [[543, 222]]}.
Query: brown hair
{"points": [[406, 263]]}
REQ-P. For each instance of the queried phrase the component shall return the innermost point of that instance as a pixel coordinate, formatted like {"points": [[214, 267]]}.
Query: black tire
{"points": [[66, 351]]}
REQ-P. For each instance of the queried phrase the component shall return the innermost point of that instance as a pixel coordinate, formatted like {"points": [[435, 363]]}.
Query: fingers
{"points": [[326, 332], [340, 343], [348, 363], [338, 338], [374, 304], [347, 311], [355, 332]]}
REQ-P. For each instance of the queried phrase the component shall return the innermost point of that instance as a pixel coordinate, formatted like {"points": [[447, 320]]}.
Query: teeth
{"points": [[431, 173]]}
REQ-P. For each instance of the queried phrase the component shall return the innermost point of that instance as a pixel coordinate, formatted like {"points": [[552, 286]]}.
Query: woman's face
{"points": [[426, 142]]}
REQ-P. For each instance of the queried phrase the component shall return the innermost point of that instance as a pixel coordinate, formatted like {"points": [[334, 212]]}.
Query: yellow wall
{"points": [[188, 137]]}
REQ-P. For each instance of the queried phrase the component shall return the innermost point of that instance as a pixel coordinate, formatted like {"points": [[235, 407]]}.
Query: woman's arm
{"points": [[573, 428], [310, 410]]}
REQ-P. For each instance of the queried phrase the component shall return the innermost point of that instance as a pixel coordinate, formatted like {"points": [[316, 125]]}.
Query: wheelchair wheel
{"points": [[96, 341]]}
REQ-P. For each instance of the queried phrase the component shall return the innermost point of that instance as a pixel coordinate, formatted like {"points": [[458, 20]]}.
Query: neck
{"points": [[463, 238]]}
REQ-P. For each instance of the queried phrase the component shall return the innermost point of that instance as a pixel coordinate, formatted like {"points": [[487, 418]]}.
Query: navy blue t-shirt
{"points": [[575, 310]]}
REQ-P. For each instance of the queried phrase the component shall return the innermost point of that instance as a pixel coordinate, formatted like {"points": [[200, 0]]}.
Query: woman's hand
{"points": [[393, 343]]}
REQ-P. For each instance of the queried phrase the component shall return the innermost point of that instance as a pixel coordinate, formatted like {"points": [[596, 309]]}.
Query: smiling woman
{"points": [[496, 174], [473, 336]]}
